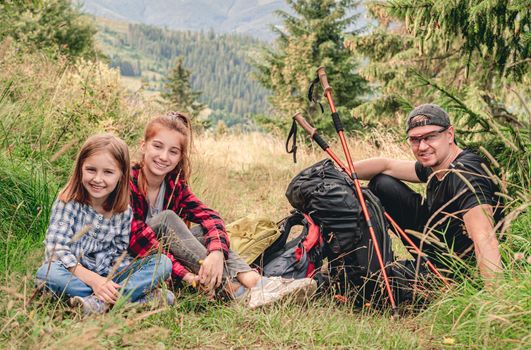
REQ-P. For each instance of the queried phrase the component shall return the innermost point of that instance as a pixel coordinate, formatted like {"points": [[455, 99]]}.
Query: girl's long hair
{"points": [[172, 121], [118, 200]]}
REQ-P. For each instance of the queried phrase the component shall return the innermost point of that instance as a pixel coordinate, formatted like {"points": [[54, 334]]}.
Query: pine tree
{"points": [[179, 93], [498, 30], [471, 57], [313, 37], [55, 27]]}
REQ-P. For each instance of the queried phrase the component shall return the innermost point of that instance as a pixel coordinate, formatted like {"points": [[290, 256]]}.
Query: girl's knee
{"points": [[50, 270], [55, 277], [164, 266], [42, 272], [169, 215], [165, 262]]}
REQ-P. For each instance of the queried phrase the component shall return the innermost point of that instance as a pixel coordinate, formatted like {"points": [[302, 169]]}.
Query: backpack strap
{"points": [[311, 97], [314, 234], [285, 226]]}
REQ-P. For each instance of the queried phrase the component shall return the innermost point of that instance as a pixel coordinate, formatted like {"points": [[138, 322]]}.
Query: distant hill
{"points": [[251, 17], [219, 64]]}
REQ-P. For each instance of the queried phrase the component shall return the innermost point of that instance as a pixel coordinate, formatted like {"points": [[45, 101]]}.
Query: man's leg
{"points": [[405, 207], [402, 203]]}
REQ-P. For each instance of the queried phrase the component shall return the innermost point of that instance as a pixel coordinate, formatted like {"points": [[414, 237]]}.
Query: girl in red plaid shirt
{"points": [[161, 200]]}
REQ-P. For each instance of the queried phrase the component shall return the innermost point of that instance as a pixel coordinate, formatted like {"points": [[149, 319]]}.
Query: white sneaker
{"points": [[278, 288], [159, 296], [90, 305]]}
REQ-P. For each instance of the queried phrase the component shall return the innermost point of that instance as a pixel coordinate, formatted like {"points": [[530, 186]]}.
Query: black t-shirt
{"points": [[450, 198]]}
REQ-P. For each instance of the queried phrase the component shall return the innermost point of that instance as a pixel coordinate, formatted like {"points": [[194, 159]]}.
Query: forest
{"points": [[220, 64]]}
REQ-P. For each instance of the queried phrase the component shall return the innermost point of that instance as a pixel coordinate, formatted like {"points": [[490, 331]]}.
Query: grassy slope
{"points": [[247, 174], [236, 174]]}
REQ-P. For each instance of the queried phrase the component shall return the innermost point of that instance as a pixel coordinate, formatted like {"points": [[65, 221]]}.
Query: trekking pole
{"points": [[339, 128], [324, 145], [335, 118], [416, 249], [318, 139], [357, 185]]}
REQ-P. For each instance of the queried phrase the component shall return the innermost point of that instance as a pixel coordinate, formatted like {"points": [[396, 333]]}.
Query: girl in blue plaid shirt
{"points": [[86, 243]]}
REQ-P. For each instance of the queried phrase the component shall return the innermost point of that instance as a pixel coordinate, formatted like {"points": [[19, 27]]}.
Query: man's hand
{"points": [[106, 290], [211, 271]]}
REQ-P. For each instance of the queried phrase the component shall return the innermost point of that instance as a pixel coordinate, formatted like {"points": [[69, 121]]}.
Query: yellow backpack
{"points": [[251, 236]]}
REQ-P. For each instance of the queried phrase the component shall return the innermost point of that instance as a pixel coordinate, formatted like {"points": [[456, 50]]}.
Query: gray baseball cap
{"points": [[434, 114]]}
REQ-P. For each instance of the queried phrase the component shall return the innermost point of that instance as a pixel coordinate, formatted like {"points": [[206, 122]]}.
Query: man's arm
{"points": [[400, 169], [479, 224]]}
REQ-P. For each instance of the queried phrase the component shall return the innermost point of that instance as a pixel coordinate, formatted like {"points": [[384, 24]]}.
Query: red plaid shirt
{"points": [[183, 202]]}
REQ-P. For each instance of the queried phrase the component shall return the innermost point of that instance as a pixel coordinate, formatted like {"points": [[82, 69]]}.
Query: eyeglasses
{"points": [[428, 138]]}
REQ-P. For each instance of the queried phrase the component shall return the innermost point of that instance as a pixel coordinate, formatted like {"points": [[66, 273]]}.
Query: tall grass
{"points": [[247, 174], [26, 195], [47, 109]]}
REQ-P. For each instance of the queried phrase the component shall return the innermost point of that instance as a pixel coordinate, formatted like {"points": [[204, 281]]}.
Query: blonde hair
{"points": [[172, 121], [118, 200]]}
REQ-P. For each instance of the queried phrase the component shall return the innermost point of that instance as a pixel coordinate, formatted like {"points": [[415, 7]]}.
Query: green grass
{"points": [[198, 323], [237, 175], [496, 318], [26, 196], [467, 316]]}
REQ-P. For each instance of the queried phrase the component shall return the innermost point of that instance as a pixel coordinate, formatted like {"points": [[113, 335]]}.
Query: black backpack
{"points": [[297, 257], [328, 196]]}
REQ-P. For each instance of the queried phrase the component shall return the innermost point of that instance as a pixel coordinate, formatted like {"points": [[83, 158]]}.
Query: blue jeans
{"points": [[136, 280]]}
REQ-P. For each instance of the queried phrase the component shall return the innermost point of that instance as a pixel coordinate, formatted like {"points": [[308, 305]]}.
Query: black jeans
{"points": [[405, 206]]}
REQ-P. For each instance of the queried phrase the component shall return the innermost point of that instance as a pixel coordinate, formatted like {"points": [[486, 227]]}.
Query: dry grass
{"points": [[236, 174], [247, 174]]}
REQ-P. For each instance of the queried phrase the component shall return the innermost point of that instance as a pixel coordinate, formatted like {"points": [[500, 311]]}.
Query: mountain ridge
{"points": [[248, 17]]}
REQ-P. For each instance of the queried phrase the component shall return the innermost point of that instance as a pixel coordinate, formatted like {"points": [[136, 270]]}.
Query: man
{"points": [[461, 205]]}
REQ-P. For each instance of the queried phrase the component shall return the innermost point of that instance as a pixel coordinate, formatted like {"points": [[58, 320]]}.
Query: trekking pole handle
{"points": [[324, 80], [304, 124], [311, 131]]}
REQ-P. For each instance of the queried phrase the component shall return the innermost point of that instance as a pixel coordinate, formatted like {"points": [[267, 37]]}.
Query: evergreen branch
{"points": [[524, 105], [484, 123]]}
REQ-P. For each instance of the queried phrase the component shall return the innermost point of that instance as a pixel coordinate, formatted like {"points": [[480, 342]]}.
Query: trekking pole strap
{"points": [[293, 149], [311, 97]]}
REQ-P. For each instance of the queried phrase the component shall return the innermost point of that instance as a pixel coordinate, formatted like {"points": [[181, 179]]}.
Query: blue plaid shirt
{"points": [[78, 234]]}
